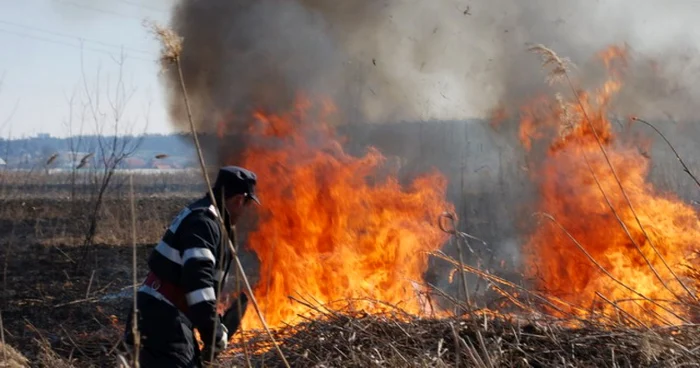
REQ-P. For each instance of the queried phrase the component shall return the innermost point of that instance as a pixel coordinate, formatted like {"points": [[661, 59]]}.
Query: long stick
{"points": [[134, 317], [2, 336], [220, 283], [221, 220], [463, 276]]}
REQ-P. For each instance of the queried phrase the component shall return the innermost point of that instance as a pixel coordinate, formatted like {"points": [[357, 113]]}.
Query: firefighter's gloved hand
{"points": [[223, 341], [220, 345]]}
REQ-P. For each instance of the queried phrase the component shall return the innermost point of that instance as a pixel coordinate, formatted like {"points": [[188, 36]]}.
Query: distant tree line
{"points": [[45, 146]]}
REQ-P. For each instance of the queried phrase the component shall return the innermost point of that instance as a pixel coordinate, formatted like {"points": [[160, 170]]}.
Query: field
{"points": [[63, 304], [61, 309]]}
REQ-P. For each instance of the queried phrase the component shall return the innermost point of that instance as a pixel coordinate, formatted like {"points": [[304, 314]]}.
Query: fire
{"points": [[639, 270], [335, 227]]}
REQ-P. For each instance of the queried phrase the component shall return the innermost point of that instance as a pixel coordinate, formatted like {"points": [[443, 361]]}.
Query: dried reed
{"points": [[344, 339]]}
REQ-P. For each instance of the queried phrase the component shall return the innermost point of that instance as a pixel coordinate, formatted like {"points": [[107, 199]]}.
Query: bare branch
{"points": [[113, 147], [678, 157]]}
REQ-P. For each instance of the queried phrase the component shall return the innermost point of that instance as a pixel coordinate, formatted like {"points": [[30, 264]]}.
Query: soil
{"points": [[62, 306], [47, 301]]}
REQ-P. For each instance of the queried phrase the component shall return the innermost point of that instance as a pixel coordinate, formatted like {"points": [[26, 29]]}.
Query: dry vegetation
{"points": [[56, 313], [60, 318], [357, 340]]}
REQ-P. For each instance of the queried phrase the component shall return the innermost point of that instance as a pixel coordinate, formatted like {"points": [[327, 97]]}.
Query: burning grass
{"points": [[608, 267], [525, 328], [614, 242]]}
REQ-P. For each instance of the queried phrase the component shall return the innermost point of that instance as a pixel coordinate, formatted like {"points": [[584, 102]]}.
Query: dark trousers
{"points": [[167, 339]]}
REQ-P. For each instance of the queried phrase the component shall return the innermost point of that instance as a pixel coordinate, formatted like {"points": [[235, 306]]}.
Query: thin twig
{"points": [[2, 336], [624, 226], [93, 299], [134, 318], [246, 353], [72, 341], [678, 157], [454, 232], [614, 305], [87, 292], [455, 336], [220, 282]]}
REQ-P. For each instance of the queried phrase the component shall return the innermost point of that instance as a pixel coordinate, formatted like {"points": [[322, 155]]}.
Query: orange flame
{"points": [[576, 184], [333, 226]]}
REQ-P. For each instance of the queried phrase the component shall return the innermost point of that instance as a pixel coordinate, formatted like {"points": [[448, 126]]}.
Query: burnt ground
{"points": [[58, 317], [61, 305], [74, 312]]}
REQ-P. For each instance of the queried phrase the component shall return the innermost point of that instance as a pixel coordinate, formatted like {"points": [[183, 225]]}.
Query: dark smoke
{"points": [[409, 60], [399, 60]]}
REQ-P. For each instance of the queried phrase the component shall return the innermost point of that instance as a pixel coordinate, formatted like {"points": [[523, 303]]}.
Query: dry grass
{"points": [[523, 337], [56, 221], [48, 358], [560, 66], [171, 43], [39, 183], [359, 340], [11, 358]]}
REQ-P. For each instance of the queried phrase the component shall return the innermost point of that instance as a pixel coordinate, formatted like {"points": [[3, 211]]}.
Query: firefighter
{"points": [[185, 269]]}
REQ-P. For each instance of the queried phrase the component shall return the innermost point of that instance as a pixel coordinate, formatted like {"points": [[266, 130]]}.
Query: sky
{"points": [[43, 65], [57, 53]]}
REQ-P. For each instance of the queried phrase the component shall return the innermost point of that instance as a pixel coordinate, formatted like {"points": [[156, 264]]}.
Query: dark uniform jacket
{"points": [[188, 257]]}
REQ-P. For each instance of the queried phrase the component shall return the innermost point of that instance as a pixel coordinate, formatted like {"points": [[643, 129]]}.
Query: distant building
{"points": [[134, 163], [162, 166]]}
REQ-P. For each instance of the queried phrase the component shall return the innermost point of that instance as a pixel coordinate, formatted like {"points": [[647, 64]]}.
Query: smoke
{"points": [[399, 60], [411, 60]]}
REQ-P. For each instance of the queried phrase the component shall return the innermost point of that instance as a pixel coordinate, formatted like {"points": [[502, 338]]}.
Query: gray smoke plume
{"points": [[396, 60], [409, 60]]}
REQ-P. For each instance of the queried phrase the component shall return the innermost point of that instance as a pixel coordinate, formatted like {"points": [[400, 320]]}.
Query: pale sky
{"points": [[40, 67]]}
